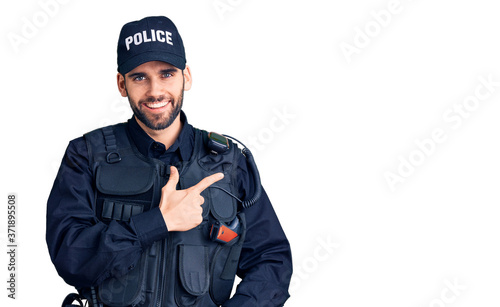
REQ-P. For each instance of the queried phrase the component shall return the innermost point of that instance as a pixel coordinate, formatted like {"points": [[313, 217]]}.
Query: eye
{"points": [[139, 78], [166, 75]]}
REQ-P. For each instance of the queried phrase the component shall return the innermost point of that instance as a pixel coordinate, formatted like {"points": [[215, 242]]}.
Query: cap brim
{"points": [[149, 56]]}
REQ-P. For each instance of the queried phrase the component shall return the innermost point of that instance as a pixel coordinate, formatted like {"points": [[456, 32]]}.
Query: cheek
{"points": [[179, 87], [135, 93]]}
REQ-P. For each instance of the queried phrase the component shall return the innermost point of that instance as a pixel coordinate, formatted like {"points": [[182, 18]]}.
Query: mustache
{"points": [[155, 99]]}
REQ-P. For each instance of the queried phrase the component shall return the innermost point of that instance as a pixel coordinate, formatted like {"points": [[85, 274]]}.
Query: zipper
{"points": [[165, 261], [160, 279], [164, 246], [161, 272]]}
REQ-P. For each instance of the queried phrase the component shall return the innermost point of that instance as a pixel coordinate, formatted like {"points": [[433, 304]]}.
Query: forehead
{"points": [[152, 67]]}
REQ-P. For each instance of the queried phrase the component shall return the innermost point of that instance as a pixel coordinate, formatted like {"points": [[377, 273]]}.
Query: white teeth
{"points": [[156, 105]]}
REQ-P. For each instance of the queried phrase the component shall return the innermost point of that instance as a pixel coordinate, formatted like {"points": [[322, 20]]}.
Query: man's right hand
{"points": [[182, 209]]}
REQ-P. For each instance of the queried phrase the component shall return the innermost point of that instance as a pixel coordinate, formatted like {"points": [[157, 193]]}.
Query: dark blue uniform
{"points": [[87, 251]]}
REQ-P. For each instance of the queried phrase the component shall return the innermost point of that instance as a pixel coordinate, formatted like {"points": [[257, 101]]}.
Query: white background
{"points": [[348, 121]]}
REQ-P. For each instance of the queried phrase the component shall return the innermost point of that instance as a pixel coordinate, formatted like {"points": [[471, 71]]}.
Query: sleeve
{"points": [[265, 264], [84, 250]]}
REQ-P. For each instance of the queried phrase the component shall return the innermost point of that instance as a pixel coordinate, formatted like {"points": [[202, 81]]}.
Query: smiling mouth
{"points": [[156, 105]]}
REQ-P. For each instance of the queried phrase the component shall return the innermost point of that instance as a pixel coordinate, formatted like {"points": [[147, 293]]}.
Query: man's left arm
{"points": [[265, 264]]}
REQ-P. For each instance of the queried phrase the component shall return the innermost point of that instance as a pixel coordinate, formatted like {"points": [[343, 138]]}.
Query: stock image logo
{"points": [[324, 250], [31, 26], [453, 118], [282, 118], [449, 294], [222, 7]]}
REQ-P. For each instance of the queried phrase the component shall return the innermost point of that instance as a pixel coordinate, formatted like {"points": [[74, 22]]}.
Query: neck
{"points": [[166, 136]]}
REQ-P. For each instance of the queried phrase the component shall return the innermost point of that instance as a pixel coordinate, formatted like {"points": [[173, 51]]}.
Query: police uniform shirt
{"points": [[86, 251]]}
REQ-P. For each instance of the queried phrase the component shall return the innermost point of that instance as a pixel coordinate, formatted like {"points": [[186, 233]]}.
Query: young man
{"points": [[154, 212]]}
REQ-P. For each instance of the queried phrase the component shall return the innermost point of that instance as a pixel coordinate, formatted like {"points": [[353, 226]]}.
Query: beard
{"points": [[158, 121]]}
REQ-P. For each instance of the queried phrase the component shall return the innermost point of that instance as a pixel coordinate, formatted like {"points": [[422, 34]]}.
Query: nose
{"points": [[155, 88]]}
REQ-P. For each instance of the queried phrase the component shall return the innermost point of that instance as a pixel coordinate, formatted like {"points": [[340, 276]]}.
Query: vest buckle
{"points": [[113, 157]]}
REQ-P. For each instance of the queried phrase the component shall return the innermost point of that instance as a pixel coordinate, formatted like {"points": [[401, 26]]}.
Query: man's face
{"points": [[155, 92]]}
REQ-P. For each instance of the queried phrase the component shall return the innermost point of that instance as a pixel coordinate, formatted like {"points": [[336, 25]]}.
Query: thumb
{"points": [[173, 179]]}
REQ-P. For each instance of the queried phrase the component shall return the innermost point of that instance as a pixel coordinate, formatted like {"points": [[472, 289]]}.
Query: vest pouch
{"points": [[222, 206], [123, 191], [192, 274], [115, 179], [224, 266], [138, 286]]}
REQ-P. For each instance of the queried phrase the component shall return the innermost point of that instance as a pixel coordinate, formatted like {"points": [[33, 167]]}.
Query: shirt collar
{"points": [[147, 146]]}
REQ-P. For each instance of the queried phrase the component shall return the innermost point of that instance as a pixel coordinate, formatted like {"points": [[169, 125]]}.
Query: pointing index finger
{"points": [[207, 181]]}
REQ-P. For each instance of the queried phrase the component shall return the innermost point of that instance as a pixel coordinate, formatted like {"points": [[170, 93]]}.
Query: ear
{"points": [[120, 79], [188, 80]]}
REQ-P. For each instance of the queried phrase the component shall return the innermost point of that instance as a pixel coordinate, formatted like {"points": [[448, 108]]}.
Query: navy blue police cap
{"points": [[150, 39]]}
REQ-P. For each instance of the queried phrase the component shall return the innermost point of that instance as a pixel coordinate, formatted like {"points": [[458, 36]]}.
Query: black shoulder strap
{"points": [[113, 155], [102, 143], [110, 144]]}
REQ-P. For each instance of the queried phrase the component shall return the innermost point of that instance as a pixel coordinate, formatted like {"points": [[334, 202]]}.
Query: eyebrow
{"points": [[168, 70]]}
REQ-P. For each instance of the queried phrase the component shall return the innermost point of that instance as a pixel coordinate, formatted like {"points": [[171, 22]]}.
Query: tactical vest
{"points": [[187, 268]]}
